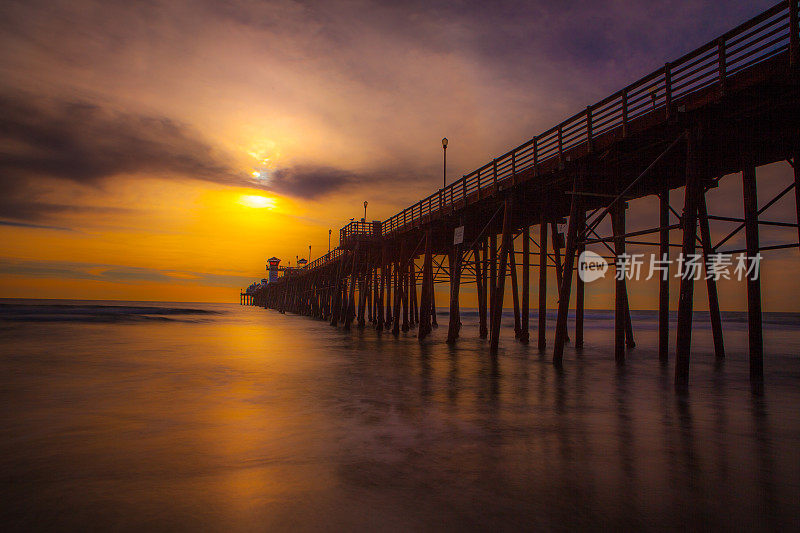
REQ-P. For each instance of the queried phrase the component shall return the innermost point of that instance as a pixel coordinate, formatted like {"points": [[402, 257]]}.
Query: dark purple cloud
{"points": [[75, 141], [116, 273], [85, 143]]}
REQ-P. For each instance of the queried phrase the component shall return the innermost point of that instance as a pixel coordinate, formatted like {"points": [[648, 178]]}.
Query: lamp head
{"points": [[444, 143]]}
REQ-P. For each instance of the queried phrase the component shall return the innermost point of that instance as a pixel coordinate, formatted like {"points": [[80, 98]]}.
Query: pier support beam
{"points": [[381, 291], [388, 282], [750, 193], [362, 297], [580, 288], [663, 282], [492, 273], [512, 260], [398, 296], [683, 344], [427, 285], [350, 312], [497, 307], [621, 296], [711, 284], [434, 322], [565, 288], [455, 285], [481, 282], [404, 284], [542, 282], [556, 236], [524, 335], [413, 290]]}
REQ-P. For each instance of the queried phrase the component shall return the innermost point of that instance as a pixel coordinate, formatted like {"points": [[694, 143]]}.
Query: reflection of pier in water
{"points": [[727, 107]]}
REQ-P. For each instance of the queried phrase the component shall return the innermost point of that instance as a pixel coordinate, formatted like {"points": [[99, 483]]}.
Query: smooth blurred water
{"points": [[149, 416]]}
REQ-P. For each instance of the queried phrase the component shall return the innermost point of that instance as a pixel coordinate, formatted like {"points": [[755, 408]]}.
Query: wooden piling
{"points": [[683, 343], [389, 304], [413, 280], [663, 282], [351, 304], [497, 308], [362, 299], [427, 283], [455, 283], [711, 284], [492, 273], [542, 282], [524, 335], [434, 322], [481, 282], [629, 342], [398, 296], [556, 236], [379, 324], [580, 289], [404, 284], [750, 191], [514, 287], [370, 293], [620, 308], [565, 287], [336, 293]]}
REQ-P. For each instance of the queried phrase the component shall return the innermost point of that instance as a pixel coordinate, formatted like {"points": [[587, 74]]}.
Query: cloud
{"points": [[309, 181], [33, 226], [74, 141], [117, 273]]}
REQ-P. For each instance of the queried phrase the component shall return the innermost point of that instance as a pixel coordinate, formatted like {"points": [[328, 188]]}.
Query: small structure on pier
{"points": [[273, 267]]}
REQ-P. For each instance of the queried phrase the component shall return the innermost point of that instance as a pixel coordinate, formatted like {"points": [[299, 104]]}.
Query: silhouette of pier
{"points": [[727, 107]]}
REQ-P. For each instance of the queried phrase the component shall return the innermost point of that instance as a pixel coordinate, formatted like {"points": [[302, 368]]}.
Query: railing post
{"points": [[625, 112], [589, 143], [721, 52], [560, 149], [464, 189], [668, 89], [535, 157], [514, 167], [494, 173], [479, 184]]}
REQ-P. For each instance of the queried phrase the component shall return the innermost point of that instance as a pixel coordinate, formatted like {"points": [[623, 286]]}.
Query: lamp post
{"points": [[365, 210], [329, 240], [309, 253], [444, 168]]}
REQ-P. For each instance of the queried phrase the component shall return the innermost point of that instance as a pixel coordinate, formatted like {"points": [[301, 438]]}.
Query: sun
{"points": [[257, 202]]}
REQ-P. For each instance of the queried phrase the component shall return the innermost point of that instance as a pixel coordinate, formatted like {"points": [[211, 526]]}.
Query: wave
{"points": [[99, 313]]}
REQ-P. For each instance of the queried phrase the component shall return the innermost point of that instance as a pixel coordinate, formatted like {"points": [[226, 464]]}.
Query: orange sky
{"points": [[164, 151]]}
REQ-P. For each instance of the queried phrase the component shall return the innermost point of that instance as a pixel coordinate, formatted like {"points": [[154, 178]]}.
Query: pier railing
{"points": [[359, 229], [330, 256], [767, 35]]}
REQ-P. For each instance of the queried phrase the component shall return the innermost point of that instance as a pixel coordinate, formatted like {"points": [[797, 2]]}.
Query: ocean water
{"points": [[143, 416]]}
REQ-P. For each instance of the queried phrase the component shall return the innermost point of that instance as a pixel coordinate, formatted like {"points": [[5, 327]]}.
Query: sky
{"points": [[164, 150]]}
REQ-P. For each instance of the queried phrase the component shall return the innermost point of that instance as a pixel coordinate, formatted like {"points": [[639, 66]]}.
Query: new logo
{"points": [[591, 266]]}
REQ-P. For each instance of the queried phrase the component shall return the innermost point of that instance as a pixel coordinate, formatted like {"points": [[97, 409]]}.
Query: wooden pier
{"points": [[728, 107]]}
